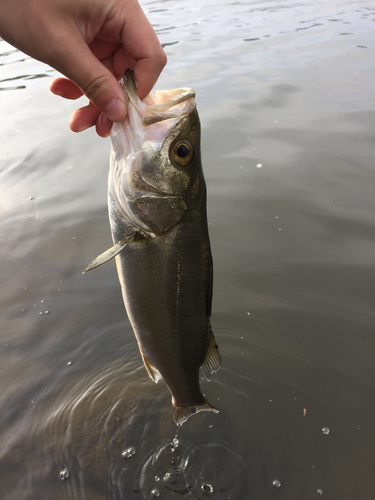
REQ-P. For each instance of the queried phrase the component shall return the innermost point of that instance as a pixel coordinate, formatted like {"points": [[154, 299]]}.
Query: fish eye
{"points": [[182, 152]]}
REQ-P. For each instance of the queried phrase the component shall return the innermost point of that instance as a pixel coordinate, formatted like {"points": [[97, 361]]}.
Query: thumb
{"points": [[79, 64]]}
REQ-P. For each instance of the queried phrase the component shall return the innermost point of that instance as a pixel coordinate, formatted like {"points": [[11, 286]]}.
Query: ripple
{"points": [[194, 470]]}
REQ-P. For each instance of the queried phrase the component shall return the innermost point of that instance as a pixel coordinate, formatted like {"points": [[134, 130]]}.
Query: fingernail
{"points": [[104, 120], [115, 110]]}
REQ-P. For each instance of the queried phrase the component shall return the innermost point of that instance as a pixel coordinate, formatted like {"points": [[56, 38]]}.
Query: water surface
{"points": [[286, 99]]}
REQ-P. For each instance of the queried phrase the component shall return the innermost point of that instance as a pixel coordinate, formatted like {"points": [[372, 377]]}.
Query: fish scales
{"points": [[166, 300], [157, 211]]}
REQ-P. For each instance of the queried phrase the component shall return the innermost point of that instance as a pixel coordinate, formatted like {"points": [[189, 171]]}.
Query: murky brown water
{"points": [[285, 92]]}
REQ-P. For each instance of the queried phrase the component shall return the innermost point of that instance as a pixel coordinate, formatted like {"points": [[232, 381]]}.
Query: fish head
{"points": [[155, 157]]}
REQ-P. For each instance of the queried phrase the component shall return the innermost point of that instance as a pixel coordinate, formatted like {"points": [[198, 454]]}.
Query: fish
{"points": [[158, 219]]}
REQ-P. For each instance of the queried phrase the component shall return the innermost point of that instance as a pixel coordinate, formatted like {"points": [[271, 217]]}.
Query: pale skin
{"points": [[91, 42]]}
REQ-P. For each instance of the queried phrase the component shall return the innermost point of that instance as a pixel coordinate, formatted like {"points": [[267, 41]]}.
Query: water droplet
{"points": [[320, 492], [259, 165], [207, 488], [157, 478], [42, 301], [69, 363], [64, 474], [276, 483], [172, 449], [325, 430], [128, 453], [46, 312], [175, 442], [31, 198], [41, 312], [155, 493]]}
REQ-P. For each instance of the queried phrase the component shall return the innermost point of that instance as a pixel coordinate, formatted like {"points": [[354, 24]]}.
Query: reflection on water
{"points": [[286, 99]]}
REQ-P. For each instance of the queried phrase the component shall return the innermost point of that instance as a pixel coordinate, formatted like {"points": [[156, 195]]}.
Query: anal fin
{"points": [[212, 360], [110, 253], [153, 372]]}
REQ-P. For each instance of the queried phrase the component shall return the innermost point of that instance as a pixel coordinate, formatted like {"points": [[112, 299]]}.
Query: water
{"points": [[286, 99]]}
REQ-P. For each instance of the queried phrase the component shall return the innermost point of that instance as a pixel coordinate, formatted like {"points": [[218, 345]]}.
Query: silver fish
{"points": [[157, 212]]}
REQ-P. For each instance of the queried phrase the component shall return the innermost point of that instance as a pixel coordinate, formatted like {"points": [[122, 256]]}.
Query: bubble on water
{"points": [[155, 493], [175, 442], [157, 478], [64, 474], [69, 363], [259, 165], [325, 430], [320, 492], [46, 312], [42, 301], [276, 483], [128, 453], [207, 488]]}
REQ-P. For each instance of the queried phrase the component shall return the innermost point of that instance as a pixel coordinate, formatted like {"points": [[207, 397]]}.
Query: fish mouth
{"points": [[159, 105], [149, 120]]}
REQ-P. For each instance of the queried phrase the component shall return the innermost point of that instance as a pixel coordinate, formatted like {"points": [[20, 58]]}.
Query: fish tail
{"points": [[182, 413]]}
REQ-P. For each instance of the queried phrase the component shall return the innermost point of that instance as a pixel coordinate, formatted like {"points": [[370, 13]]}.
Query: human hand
{"points": [[91, 42]]}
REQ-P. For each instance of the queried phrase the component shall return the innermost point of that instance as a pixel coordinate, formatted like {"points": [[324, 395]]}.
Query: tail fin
{"points": [[182, 413]]}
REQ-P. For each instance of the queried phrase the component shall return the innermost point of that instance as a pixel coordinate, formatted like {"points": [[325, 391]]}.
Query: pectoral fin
{"points": [[110, 253]]}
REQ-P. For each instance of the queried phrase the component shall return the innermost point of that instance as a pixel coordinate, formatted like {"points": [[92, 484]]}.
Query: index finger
{"points": [[142, 44]]}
